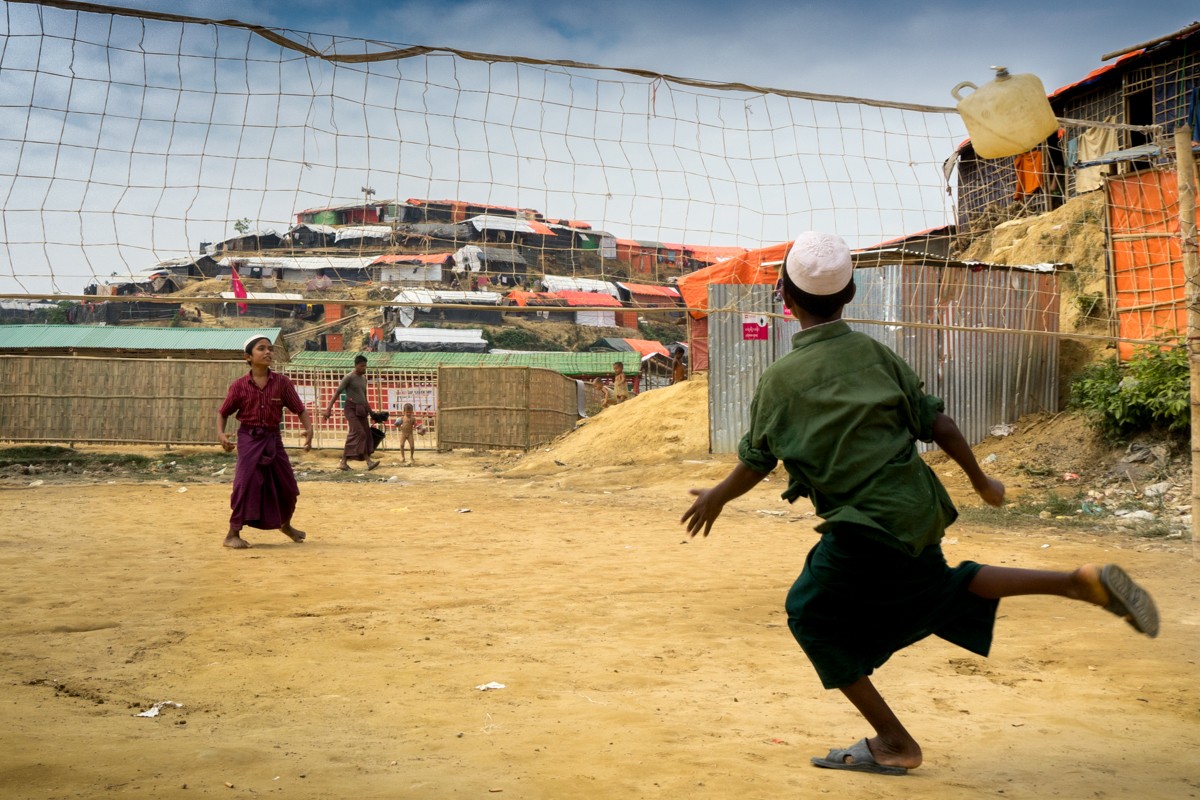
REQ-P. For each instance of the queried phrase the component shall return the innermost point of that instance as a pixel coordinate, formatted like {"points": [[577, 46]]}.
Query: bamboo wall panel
{"points": [[79, 399], [503, 407]]}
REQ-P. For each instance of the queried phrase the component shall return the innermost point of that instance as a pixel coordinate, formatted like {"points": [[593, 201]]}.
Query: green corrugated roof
{"points": [[125, 337], [563, 363]]}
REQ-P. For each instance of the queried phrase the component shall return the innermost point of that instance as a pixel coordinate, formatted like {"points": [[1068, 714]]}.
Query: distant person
{"points": [[408, 427], [843, 414], [678, 368], [318, 283], [360, 444], [618, 392], [264, 486]]}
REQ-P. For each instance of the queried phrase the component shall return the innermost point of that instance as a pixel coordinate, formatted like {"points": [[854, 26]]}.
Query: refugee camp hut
{"points": [[189, 268], [593, 308], [250, 242], [364, 238], [134, 342], [430, 305], [310, 236], [13, 312], [639, 258], [643, 295], [561, 283], [700, 256], [935, 241], [347, 214], [437, 340], [572, 249], [158, 280], [426, 236], [1151, 86], [506, 263], [298, 269], [271, 305], [548, 306], [417, 268], [655, 369], [454, 211]]}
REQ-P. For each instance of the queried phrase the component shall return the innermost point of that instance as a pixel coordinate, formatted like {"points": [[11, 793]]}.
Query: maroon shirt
{"points": [[261, 407]]}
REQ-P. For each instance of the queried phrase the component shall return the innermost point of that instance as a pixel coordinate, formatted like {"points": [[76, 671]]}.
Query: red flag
{"points": [[239, 290]]}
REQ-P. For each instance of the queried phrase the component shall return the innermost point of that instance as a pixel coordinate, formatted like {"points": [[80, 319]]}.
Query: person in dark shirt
{"points": [[359, 442], [843, 414]]}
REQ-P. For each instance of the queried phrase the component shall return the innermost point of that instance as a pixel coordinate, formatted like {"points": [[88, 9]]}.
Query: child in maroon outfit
{"points": [[264, 486]]}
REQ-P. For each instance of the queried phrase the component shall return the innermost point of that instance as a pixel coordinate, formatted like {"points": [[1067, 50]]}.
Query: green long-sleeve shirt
{"points": [[843, 413]]}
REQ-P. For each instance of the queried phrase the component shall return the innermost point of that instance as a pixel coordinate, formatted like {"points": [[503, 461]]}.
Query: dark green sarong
{"points": [[859, 600]]}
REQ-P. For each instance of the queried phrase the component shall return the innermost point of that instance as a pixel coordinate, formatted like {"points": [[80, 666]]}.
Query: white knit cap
{"points": [[819, 263], [252, 340]]}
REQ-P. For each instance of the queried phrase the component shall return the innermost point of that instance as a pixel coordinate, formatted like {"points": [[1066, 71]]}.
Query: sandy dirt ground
{"points": [[635, 664]]}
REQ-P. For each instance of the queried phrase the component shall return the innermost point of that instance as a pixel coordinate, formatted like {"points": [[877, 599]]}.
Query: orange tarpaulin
{"points": [[1147, 262], [755, 266]]}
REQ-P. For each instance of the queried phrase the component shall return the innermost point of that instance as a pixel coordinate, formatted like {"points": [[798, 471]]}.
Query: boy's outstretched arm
{"points": [[708, 503], [947, 436]]}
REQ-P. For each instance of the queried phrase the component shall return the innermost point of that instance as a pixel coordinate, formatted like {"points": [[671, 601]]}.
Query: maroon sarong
{"points": [[264, 486], [359, 442]]}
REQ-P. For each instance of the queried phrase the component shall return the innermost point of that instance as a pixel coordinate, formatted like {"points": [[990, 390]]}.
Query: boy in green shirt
{"points": [[843, 413]]}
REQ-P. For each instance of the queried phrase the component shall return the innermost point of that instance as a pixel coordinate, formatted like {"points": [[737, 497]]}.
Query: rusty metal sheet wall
{"points": [[986, 377]]}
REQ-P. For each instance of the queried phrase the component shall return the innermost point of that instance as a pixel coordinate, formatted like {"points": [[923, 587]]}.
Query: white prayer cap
{"points": [[249, 344], [819, 263]]}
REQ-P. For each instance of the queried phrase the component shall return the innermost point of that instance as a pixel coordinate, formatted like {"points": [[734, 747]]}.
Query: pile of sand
{"points": [[657, 427], [1071, 234]]}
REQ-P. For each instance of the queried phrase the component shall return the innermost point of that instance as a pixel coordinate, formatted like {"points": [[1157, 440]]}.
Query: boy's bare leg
{"points": [[234, 540], [892, 744], [295, 534], [1105, 586]]}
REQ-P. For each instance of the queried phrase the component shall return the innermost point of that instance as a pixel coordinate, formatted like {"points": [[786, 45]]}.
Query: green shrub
{"points": [[1149, 393]]}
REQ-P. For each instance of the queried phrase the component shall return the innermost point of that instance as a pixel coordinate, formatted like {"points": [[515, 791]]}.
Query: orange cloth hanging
{"points": [[1029, 173]]}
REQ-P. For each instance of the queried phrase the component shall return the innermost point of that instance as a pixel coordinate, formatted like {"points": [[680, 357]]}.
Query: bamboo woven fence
{"points": [[112, 400], [503, 407]]}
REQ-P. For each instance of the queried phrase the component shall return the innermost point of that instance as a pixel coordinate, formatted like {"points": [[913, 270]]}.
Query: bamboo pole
{"points": [[1186, 166]]}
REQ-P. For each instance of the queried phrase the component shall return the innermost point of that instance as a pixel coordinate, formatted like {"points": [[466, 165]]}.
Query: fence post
{"points": [[1186, 167]]}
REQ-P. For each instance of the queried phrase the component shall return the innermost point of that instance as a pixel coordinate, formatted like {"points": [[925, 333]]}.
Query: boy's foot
{"points": [[1128, 600], [295, 534], [371, 464], [1111, 588], [236, 542], [859, 758]]}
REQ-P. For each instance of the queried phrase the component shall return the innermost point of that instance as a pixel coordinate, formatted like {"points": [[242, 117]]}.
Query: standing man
{"points": [[359, 443]]}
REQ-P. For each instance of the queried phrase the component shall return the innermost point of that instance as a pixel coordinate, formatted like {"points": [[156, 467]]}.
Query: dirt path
{"points": [[634, 665]]}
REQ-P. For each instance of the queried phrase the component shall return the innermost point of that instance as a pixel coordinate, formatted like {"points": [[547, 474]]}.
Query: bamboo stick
{"points": [[1186, 166]]}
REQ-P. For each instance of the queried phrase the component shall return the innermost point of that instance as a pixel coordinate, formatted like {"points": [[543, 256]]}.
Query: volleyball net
{"points": [[138, 147]]}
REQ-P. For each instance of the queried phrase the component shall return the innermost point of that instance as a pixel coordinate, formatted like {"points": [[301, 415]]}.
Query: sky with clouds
{"points": [[123, 143], [908, 52]]}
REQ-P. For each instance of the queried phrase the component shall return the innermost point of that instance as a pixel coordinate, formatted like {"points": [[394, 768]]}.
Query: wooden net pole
{"points": [[1186, 166]]}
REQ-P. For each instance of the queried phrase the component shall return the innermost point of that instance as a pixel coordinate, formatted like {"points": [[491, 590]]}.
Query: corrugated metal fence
{"points": [[986, 376]]}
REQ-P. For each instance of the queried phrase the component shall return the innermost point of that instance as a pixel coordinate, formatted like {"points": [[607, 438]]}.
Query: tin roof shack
{"points": [[416, 269], [354, 214], [364, 238], [642, 295], [453, 211], [563, 283], [13, 312], [1151, 86], [134, 342], [594, 309], [309, 236], [572, 250], [250, 242], [549, 306], [422, 305], [159, 280], [500, 261], [639, 258], [298, 269], [425, 236], [437, 340]]}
